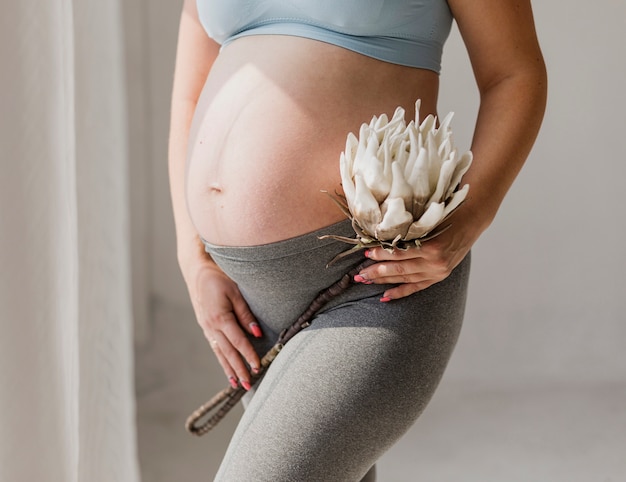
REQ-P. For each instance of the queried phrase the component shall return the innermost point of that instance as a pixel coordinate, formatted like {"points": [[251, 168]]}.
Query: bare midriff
{"points": [[269, 128]]}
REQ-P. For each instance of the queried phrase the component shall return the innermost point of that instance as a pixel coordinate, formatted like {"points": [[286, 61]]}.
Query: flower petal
{"points": [[413, 149], [428, 124], [395, 222], [445, 147], [419, 181], [427, 222], [376, 170], [456, 200], [346, 179], [400, 188], [434, 162], [365, 207], [364, 133], [444, 130], [352, 144], [463, 164], [396, 120], [445, 175], [418, 105]]}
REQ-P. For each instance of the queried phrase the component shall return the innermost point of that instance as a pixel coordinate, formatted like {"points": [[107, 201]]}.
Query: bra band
{"points": [[405, 32]]}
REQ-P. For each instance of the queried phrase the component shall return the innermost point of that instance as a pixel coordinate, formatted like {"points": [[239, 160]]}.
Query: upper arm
{"points": [[500, 38], [195, 54]]}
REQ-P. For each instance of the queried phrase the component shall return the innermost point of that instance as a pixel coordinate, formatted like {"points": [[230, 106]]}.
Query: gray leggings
{"points": [[345, 389]]}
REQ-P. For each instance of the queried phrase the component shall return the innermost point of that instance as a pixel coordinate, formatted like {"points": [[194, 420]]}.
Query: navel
{"points": [[215, 187]]}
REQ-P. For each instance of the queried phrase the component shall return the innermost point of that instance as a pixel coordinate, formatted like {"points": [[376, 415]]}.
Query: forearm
{"points": [[511, 77], [194, 58], [188, 244], [511, 111]]}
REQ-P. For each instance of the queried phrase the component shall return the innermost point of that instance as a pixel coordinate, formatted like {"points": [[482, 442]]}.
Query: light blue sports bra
{"points": [[405, 32]]}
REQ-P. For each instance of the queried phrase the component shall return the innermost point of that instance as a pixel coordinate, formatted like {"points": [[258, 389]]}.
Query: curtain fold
{"points": [[66, 364]]}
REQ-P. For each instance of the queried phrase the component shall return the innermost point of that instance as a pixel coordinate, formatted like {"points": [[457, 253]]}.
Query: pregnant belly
{"points": [[267, 135], [257, 168]]}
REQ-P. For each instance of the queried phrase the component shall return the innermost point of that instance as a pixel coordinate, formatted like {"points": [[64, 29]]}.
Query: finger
{"points": [[240, 347], [222, 360], [230, 358], [429, 277], [404, 290], [245, 316], [232, 346], [407, 271], [381, 254]]}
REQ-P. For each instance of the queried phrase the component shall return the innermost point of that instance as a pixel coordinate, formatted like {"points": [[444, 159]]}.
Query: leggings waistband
{"points": [[295, 246], [279, 280]]}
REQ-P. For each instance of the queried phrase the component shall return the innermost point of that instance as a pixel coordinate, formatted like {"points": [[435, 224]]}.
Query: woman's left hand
{"points": [[417, 268]]}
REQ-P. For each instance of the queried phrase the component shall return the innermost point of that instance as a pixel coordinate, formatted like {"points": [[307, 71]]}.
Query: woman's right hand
{"points": [[223, 315]]}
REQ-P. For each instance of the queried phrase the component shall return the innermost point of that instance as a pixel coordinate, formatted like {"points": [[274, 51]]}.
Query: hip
{"points": [[279, 280]]}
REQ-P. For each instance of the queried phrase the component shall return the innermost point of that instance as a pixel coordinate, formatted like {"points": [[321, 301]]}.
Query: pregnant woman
{"points": [[265, 93]]}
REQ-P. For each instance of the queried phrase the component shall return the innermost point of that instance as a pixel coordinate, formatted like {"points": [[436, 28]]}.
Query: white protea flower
{"points": [[400, 181]]}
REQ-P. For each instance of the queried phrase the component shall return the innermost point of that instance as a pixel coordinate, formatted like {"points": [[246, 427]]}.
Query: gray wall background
{"points": [[548, 299]]}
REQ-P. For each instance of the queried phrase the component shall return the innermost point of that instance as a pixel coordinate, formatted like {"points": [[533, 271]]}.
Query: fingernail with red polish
{"points": [[367, 253], [246, 385], [362, 279], [233, 382], [255, 370], [385, 299], [256, 330]]}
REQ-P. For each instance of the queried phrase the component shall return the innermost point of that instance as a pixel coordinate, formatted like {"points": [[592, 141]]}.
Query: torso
{"points": [[270, 125]]}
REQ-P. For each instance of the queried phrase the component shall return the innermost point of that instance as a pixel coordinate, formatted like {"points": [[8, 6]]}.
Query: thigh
{"points": [[344, 390]]}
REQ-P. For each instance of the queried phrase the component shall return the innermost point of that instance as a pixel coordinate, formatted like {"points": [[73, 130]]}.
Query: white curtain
{"points": [[66, 371]]}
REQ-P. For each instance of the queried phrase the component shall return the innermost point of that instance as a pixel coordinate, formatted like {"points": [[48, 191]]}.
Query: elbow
{"points": [[526, 81], [535, 81], [536, 75], [531, 72]]}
